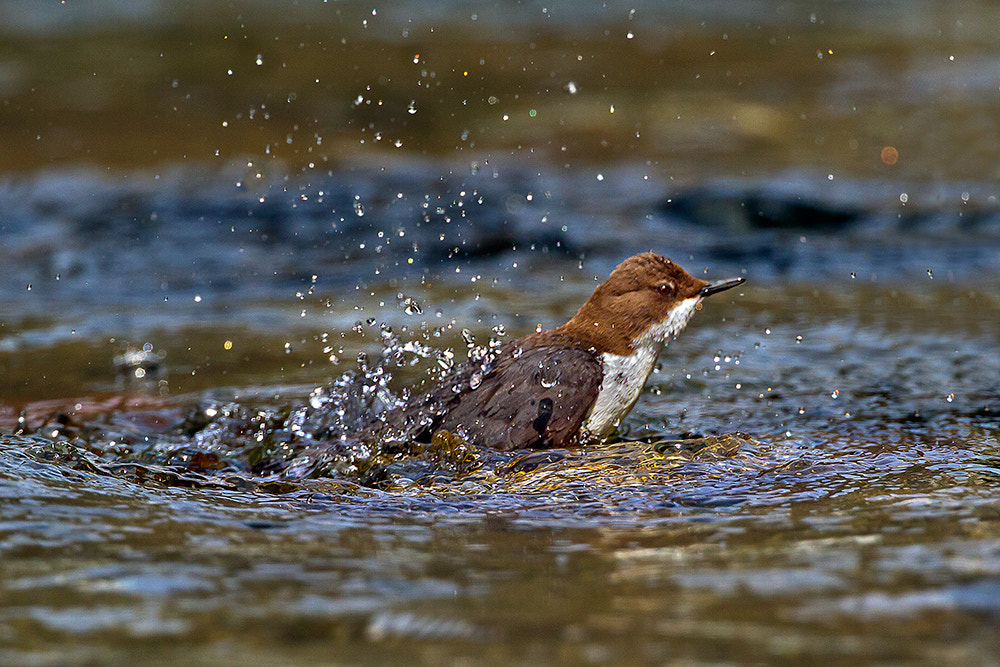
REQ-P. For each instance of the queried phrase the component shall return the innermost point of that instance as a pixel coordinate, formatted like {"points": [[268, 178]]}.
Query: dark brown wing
{"points": [[537, 400], [536, 397]]}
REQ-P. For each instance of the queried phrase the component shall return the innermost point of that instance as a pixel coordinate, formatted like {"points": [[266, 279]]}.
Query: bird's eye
{"points": [[665, 289]]}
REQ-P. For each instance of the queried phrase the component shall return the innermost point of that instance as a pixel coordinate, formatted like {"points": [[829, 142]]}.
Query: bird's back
{"points": [[534, 392]]}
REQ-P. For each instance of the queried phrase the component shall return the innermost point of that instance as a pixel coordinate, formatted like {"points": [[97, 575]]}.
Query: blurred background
{"points": [[688, 90], [215, 167], [208, 209]]}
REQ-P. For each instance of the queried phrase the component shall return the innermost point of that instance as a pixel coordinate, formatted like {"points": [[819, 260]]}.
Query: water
{"points": [[811, 475]]}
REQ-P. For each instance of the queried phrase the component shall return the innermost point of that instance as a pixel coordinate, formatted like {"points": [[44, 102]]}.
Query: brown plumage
{"points": [[539, 391], [639, 293]]}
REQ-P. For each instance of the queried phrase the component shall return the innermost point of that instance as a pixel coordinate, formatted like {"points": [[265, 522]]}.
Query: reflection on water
{"points": [[833, 552], [812, 473], [858, 505]]}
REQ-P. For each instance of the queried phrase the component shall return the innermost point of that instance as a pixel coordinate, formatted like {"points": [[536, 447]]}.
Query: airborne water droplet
{"points": [[411, 307], [470, 340]]}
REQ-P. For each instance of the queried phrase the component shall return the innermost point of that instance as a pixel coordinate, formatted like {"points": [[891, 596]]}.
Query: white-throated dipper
{"points": [[570, 384]]}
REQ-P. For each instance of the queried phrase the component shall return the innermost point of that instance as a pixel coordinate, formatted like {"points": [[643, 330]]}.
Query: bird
{"points": [[569, 385]]}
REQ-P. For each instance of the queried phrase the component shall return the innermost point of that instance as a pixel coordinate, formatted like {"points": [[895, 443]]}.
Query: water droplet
{"points": [[470, 340], [411, 307], [446, 359]]}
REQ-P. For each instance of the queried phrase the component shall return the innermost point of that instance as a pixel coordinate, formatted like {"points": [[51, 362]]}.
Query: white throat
{"points": [[625, 375]]}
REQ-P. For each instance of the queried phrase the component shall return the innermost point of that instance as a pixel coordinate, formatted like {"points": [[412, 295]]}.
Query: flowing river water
{"points": [[207, 229]]}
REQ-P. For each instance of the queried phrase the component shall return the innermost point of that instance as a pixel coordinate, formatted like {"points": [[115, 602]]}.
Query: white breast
{"points": [[625, 375]]}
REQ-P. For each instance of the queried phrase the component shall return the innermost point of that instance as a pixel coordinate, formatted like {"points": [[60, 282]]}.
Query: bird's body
{"points": [[571, 384]]}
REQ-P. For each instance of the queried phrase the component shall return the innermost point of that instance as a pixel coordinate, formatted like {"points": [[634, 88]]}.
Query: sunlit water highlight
{"points": [[812, 459]]}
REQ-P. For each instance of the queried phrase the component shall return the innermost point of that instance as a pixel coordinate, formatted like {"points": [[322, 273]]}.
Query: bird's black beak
{"points": [[720, 286]]}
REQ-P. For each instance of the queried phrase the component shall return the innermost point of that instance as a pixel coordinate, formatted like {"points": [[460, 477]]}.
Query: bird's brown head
{"points": [[646, 295]]}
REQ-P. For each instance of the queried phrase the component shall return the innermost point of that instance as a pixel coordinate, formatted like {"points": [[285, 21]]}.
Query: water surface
{"points": [[811, 475]]}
